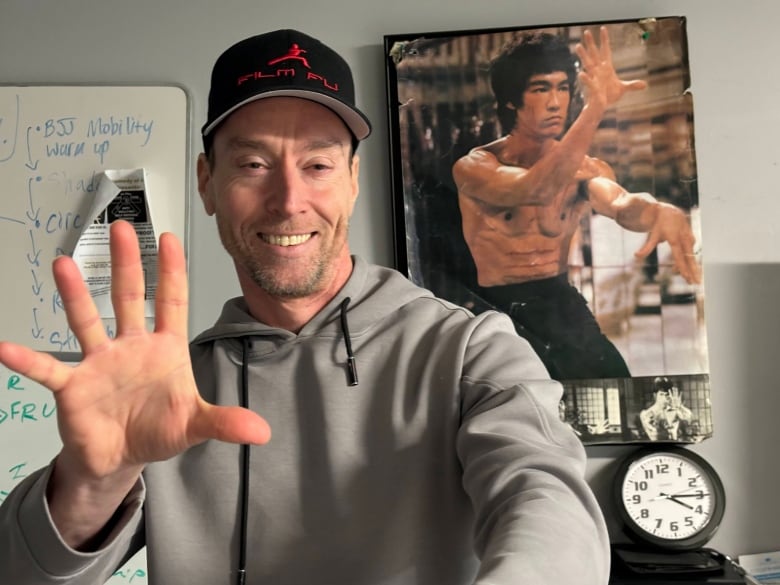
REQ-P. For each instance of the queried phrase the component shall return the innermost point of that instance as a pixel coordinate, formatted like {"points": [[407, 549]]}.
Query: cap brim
{"points": [[354, 119]]}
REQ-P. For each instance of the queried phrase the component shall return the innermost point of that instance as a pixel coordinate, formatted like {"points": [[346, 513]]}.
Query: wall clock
{"points": [[669, 498], [671, 501]]}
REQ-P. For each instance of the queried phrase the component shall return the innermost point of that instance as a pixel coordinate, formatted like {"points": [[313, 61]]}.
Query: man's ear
{"points": [[204, 184], [355, 183]]}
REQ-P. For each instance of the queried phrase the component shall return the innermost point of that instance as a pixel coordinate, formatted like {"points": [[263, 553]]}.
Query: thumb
{"points": [[232, 424], [650, 243], [635, 84]]}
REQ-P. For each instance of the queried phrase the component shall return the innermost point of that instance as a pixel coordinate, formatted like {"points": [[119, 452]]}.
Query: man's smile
{"points": [[285, 239]]}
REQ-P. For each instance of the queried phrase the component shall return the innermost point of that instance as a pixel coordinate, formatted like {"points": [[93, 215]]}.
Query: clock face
{"points": [[671, 498]]}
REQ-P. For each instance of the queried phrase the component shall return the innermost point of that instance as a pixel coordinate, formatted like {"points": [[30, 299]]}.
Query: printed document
{"points": [[121, 194]]}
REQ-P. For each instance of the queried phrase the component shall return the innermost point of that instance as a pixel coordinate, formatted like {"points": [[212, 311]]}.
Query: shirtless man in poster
{"points": [[667, 416], [522, 197]]}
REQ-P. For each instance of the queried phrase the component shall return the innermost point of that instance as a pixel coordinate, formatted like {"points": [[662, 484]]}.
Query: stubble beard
{"points": [[267, 277]]}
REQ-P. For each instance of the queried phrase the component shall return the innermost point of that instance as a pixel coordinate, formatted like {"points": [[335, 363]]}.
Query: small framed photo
{"points": [[549, 173]]}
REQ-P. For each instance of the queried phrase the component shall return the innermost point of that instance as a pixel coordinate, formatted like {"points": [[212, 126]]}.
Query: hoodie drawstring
{"points": [[246, 345], [244, 495], [351, 365]]}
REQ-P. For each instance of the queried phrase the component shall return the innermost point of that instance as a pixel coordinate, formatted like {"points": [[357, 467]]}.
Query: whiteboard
{"points": [[29, 440], [55, 141]]}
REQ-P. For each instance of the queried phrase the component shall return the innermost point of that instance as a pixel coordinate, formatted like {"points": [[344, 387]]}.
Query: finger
{"points": [[694, 269], [635, 85], [583, 53], [697, 276], [650, 242], [590, 44], [171, 297], [679, 261], [83, 317], [686, 263], [39, 367], [605, 48], [232, 424], [127, 279], [686, 258]]}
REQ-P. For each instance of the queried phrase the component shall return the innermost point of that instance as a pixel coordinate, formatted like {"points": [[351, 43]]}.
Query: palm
{"points": [[599, 75], [131, 400], [671, 225], [129, 405]]}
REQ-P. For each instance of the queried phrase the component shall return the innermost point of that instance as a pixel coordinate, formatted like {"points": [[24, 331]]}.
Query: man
{"points": [[443, 462], [666, 419], [522, 198]]}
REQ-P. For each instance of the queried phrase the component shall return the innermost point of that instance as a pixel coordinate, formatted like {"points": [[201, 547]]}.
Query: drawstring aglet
{"points": [[352, 377], [352, 371]]}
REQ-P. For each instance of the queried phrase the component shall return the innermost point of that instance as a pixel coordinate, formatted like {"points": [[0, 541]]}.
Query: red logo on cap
{"points": [[296, 53]]}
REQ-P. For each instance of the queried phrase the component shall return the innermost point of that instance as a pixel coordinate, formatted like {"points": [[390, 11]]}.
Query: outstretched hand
{"points": [[675, 399], [598, 75], [133, 399], [672, 225]]}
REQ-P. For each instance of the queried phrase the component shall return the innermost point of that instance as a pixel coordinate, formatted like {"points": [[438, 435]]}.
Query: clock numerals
{"points": [[651, 471], [671, 525], [670, 498]]}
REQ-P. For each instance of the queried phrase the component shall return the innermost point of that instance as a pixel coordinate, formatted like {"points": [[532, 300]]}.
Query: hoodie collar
{"points": [[236, 320], [374, 292]]}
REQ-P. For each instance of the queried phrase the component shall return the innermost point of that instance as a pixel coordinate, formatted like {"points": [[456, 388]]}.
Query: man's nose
{"points": [[554, 101], [287, 196]]}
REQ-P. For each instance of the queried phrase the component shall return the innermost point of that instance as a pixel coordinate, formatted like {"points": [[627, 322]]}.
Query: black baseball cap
{"points": [[282, 63]]}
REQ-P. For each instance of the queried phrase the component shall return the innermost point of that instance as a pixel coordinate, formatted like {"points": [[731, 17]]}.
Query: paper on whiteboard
{"points": [[121, 194]]}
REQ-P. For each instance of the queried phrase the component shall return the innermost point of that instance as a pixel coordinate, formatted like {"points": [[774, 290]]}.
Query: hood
{"points": [[374, 292]]}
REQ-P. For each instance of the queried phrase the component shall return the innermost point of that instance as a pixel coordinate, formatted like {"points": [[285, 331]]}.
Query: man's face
{"points": [[662, 397], [545, 105], [282, 187]]}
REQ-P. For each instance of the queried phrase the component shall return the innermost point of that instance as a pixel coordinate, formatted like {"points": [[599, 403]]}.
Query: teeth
{"points": [[293, 240]]}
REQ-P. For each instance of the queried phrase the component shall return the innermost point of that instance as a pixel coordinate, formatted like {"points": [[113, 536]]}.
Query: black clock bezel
{"points": [[637, 533]]}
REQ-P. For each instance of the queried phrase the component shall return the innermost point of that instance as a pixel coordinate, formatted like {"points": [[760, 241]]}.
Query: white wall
{"points": [[735, 85]]}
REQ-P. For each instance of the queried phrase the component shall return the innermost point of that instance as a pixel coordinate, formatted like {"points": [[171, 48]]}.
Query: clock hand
{"points": [[685, 491], [660, 496], [701, 495], [664, 496], [676, 501]]}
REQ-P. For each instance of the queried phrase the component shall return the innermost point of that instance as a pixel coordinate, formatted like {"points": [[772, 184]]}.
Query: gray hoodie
{"points": [[445, 465]]}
